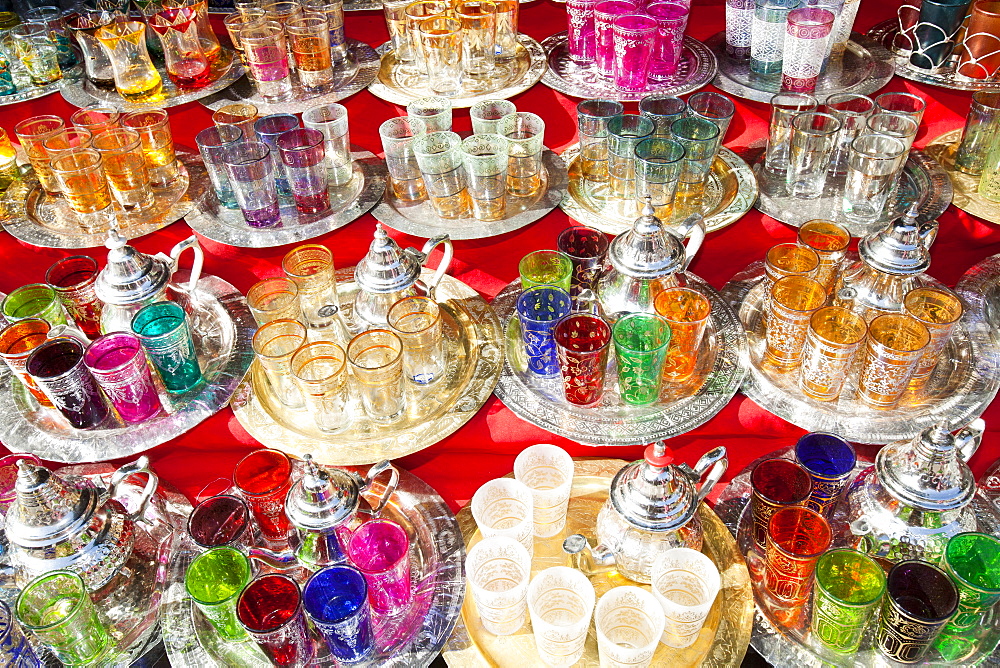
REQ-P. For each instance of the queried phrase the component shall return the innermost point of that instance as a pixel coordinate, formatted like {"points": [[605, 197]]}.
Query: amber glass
{"points": [[939, 311], [832, 341], [979, 54], [788, 260], [241, 115], [157, 143], [894, 346], [829, 241], [81, 178], [31, 132], [687, 312], [793, 301]]}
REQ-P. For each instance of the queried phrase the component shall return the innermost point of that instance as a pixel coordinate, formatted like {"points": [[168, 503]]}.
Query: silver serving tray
{"points": [[408, 640], [924, 181], [32, 216], [959, 390], [33, 92], [348, 203], [865, 67], [681, 408], [979, 289], [222, 325], [345, 84], [420, 219], [696, 68]]}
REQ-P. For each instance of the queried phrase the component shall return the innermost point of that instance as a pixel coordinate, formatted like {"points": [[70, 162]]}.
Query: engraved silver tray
{"points": [[681, 407], [696, 68], [408, 640], [346, 82], [865, 67], [222, 326], [37, 218], [420, 219], [979, 289], [348, 203], [924, 181], [961, 387]]}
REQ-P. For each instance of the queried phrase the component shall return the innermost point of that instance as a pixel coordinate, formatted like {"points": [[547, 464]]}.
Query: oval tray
{"points": [[979, 289], [696, 68], [924, 181], [344, 85], [408, 640], [682, 406], [351, 201], [474, 357], [966, 186], [865, 68], [225, 70], [222, 325], [958, 390], [730, 619], [421, 220], [39, 219], [392, 86], [731, 191]]}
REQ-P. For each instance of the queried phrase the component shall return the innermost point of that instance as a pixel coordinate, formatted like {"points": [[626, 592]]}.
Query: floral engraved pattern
{"points": [[804, 49], [739, 21], [767, 41]]}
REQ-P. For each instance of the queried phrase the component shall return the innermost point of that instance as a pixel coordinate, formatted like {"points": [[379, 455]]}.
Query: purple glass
{"points": [[335, 599], [268, 129], [581, 36], [251, 171], [587, 248], [605, 14], [119, 365], [380, 549], [303, 153], [222, 521], [57, 366], [635, 37], [671, 19]]}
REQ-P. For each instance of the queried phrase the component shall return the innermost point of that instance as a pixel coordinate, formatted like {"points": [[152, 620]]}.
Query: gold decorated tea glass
{"points": [[241, 115], [833, 339], [788, 260], [153, 127], [125, 168], [376, 358], [81, 178], [320, 371], [794, 300], [274, 344], [939, 311], [31, 133], [894, 346], [687, 312], [311, 268], [829, 241], [274, 299], [417, 323]]}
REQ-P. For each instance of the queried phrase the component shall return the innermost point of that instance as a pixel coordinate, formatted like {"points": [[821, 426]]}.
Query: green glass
{"points": [[214, 581], [164, 332], [972, 560], [57, 609], [700, 139], [849, 586], [641, 346], [546, 267], [36, 300]]}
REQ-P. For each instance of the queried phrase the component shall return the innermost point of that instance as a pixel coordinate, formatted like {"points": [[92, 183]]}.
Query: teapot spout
{"points": [[587, 559], [283, 561]]}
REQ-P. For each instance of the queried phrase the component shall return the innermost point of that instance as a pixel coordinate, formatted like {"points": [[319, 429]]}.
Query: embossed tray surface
{"points": [[222, 326], [730, 192], [473, 359], [962, 385], [979, 289], [411, 639], [721, 643], [681, 407], [966, 186]]}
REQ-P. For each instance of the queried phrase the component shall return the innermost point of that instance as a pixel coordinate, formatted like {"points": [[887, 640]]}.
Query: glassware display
{"points": [[331, 121], [561, 604], [311, 268], [214, 581], [376, 359], [303, 154], [486, 159], [57, 608], [848, 590]]}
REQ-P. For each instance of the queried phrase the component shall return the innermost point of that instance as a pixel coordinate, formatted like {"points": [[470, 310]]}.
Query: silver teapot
{"points": [[652, 506], [131, 279], [387, 274], [645, 259], [915, 497]]}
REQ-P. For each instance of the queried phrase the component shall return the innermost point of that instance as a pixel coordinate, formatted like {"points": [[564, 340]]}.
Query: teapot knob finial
{"points": [[115, 239], [647, 206]]}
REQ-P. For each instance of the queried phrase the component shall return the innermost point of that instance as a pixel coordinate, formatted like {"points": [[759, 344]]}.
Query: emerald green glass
{"points": [[57, 609], [34, 301], [546, 267], [214, 581], [972, 560], [641, 346], [163, 330], [849, 586]]}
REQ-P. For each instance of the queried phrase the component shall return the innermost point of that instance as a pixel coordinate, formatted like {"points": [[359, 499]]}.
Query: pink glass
{"points": [[634, 39], [380, 549], [671, 20], [605, 14], [582, 347], [581, 38], [263, 479], [270, 609], [303, 153], [73, 279], [806, 47], [119, 364]]}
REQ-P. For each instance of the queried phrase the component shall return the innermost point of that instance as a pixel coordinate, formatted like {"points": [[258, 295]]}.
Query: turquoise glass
{"points": [[163, 329]]}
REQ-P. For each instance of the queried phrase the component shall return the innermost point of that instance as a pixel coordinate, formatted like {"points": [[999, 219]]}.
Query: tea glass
{"points": [[893, 349], [498, 569], [561, 604], [214, 580], [687, 312], [376, 359], [319, 370], [547, 470], [505, 507], [582, 347], [274, 343], [73, 280], [629, 623], [833, 339], [417, 322], [380, 549], [118, 363], [336, 600], [274, 299], [775, 483], [270, 610], [685, 583], [166, 335], [263, 479], [539, 308], [56, 608], [796, 537], [848, 589]]}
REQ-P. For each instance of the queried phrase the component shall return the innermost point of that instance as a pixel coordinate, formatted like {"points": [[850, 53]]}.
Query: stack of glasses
{"points": [[257, 163], [35, 52], [477, 175]]}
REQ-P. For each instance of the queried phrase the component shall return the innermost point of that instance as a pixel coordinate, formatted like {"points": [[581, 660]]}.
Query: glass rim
{"points": [[392, 338], [845, 98], [393, 126], [921, 102], [789, 246], [171, 306], [20, 126], [827, 340], [284, 461], [435, 312], [25, 289], [813, 116], [212, 136], [948, 294], [756, 491], [263, 578], [246, 153], [151, 118], [696, 121], [262, 331], [920, 618], [331, 113], [784, 102], [808, 512], [839, 440], [242, 561], [663, 157], [72, 129], [603, 241], [650, 100], [483, 3], [90, 157], [806, 226], [262, 123], [292, 256], [241, 118], [90, 350], [796, 277], [450, 26], [78, 604], [872, 334], [134, 140], [304, 140], [591, 108], [725, 100], [325, 574], [830, 554], [9, 330], [964, 581], [992, 94], [204, 503], [306, 22], [291, 289], [50, 278], [859, 145], [334, 351]]}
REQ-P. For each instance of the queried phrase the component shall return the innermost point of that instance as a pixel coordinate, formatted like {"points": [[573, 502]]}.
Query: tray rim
{"points": [[965, 197]]}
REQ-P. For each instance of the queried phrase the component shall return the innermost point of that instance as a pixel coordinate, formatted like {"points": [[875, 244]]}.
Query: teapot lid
{"points": [[902, 247], [129, 276], [648, 250], [652, 493], [46, 509], [386, 267], [927, 472], [322, 498]]}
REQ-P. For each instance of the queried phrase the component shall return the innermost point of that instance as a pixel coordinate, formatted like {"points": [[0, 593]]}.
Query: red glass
{"points": [[582, 347], [73, 278], [796, 538], [221, 521], [775, 483], [264, 478], [270, 609]]}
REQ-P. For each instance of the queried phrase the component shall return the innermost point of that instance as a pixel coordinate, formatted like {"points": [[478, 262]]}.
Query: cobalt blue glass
{"points": [[539, 308], [935, 32], [829, 460], [336, 600], [14, 647], [269, 128]]}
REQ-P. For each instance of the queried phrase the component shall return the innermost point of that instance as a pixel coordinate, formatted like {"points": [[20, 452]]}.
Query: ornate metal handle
{"points": [[694, 227], [199, 258], [443, 265], [374, 472], [140, 465], [969, 437], [715, 462]]}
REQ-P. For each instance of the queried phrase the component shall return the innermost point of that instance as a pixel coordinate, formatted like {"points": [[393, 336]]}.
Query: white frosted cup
{"points": [[561, 603], [498, 570], [547, 470], [504, 507], [629, 623], [685, 582]]}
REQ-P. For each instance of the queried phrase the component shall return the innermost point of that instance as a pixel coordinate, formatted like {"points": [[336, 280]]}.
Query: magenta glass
{"points": [[303, 152], [671, 22], [807, 45], [73, 278], [582, 344], [119, 365], [270, 609], [605, 14], [581, 38], [380, 549], [634, 36]]}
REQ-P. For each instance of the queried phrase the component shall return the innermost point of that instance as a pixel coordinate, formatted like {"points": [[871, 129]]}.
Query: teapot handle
{"points": [[715, 462], [199, 258], [697, 234], [140, 465], [373, 472], [443, 265]]}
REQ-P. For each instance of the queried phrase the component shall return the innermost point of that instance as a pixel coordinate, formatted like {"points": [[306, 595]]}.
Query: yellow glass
{"points": [[31, 133], [125, 168], [320, 371], [274, 299], [793, 301], [832, 341], [893, 348], [136, 79], [309, 40], [8, 161], [82, 181], [157, 143], [789, 260], [939, 311], [687, 312], [240, 115], [97, 118], [311, 268], [829, 241], [69, 139]]}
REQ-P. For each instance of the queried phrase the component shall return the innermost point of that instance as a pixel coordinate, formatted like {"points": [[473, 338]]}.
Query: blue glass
{"points": [[829, 460], [336, 599], [14, 647], [268, 128], [163, 330], [539, 309]]}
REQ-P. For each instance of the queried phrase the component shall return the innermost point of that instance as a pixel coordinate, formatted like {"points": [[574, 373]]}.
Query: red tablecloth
{"points": [[485, 448]]}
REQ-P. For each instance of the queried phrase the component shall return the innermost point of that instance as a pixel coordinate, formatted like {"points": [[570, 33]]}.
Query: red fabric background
{"points": [[485, 448]]}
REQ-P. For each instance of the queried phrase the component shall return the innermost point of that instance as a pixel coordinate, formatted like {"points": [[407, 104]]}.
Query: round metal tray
{"points": [[966, 186], [73, 73], [979, 289]]}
